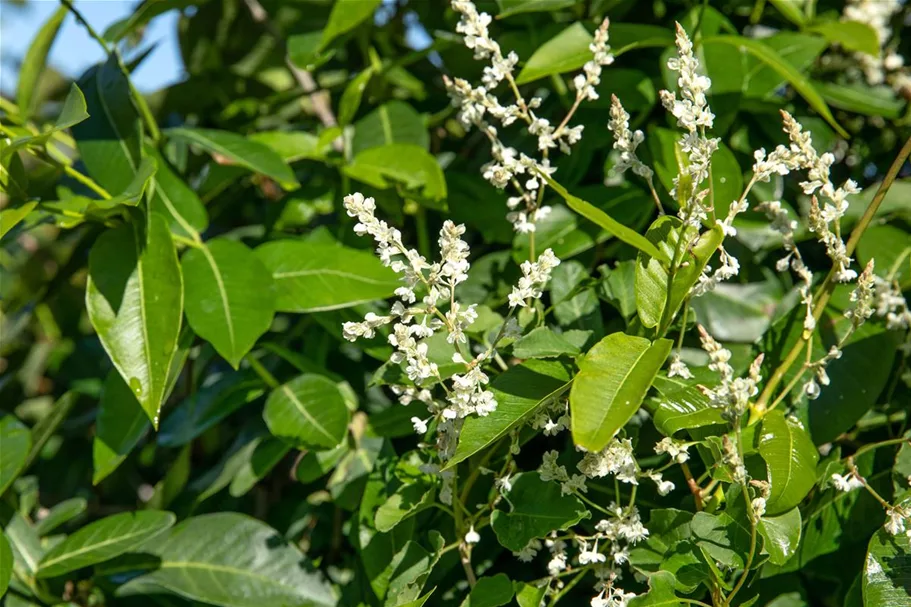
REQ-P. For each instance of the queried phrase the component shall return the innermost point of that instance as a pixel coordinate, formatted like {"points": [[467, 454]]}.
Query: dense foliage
{"points": [[539, 302]]}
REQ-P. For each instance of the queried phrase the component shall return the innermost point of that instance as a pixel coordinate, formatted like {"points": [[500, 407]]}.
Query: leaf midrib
{"points": [[300, 407], [226, 306], [348, 275], [69, 555]]}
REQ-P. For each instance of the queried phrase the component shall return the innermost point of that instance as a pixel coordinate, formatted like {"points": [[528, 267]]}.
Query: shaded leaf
{"points": [[660, 592], [175, 200], [16, 441], [887, 571], [791, 459], [345, 16], [6, 563], [543, 342], [782, 535], [536, 508], [120, 425], [850, 35], [405, 163], [34, 62], [308, 411], [490, 591], [61, 514]]}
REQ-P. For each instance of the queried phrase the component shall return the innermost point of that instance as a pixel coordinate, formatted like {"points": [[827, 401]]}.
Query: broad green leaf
{"points": [[229, 296], [25, 544], [313, 277], [791, 459], [133, 193], [798, 49], [144, 13], [267, 454], [410, 498], [791, 10], [233, 148], [392, 122], [737, 312], [61, 514], [566, 51], [629, 36], [15, 444], [230, 560], [345, 16], [516, 7], [619, 287], [134, 299], [292, 145], [543, 342], [887, 571], [120, 425], [308, 411], [613, 379], [682, 407], [850, 35], [536, 508], [10, 218], [404, 163], [862, 98], [660, 592], [72, 113], [207, 406], [519, 392], [110, 139], [34, 61], [528, 595], [596, 215], [490, 591], [306, 52], [782, 535], [403, 578], [103, 540], [888, 245], [800, 83], [175, 200], [652, 275], [353, 95], [6, 563], [721, 538]]}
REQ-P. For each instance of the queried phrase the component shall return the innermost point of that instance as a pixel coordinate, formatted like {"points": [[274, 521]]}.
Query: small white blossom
{"points": [[534, 277], [678, 368], [846, 483], [617, 459], [472, 537], [420, 425], [676, 449]]}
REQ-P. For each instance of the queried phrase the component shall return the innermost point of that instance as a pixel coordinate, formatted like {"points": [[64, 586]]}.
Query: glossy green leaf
{"points": [[237, 149], [404, 163], [312, 276], [230, 560], [15, 444], [134, 298], [682, 407], [566, 51], [791, 459], [103, 540], [800, 83], [490, 591], [392, 122], [175, 200], [308, 411], [850, 35], [120, 425], [543, 342], [613, 379], [292, 145], [345, 16], [721, 538], [887, 571], [72, 113], [863, 99], [528, 595], [34, 61], [133, 193], [660, 592], [110, 139], [6, 563], [782, 535], [652, 275], [229, 296], [519, 392], [596, 215], [536, 508], [407, 500], [798, 49], [10, 218], [353, 95], [61, 514]]}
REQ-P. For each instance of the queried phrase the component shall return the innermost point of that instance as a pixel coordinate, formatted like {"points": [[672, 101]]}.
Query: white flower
{"points": [[758, 505], [895, 520], [676, 449], [472, 537], [575, 484], [678, 368], [556, 564], [587, 556], [617, 459], [549, 470], [420, 425], [528, 553], [664, 486], [534, 277], [846, 483]]}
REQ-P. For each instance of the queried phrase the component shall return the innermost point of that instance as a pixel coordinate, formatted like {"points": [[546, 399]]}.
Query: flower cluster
{"points": [[616, 458], [534, 277], [887, 66], [732, 395]]}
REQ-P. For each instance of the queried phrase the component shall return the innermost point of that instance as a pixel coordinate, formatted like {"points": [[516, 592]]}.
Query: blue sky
{"points": [[74, 50]]}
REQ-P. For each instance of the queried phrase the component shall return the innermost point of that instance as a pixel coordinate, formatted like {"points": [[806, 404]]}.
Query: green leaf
{"points": [[543, 342], [628, 36], [410, 498], [292, 145], [798, 49], [110, 139], [405, 163], [536, 508], [660, 592], [800, 83], [528, 595], [6, 563], [308, 411], [782, 535], [652, 274], [565, 52], [230, 560], [737, 312], [229, 295], [612, 381], [313, 276], [61, 514], [306, 52], [103, 540], [353, 95], [10, 218], [721, 538], [239, 150], [120, 425], [889, 246], [519, 392], [682, 407], [132, 194], [392, 122], [345, 16], [48, 425], [15, 444], [596, 215], [490, 591], [516, 7], [175, 200], [791, 459], [73, 112], [267, 454], [887, 571], [134, 299], [34, 62], [862, 99], [850, 35], [791, 10]]}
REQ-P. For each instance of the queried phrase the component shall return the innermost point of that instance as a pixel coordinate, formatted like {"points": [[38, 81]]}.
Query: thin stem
{"points": [[828, 285], [693, 485], [752, 553], [872, 446], [262, 372], [86, 181]]}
